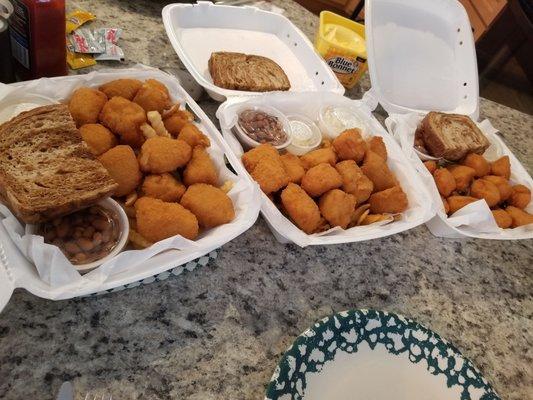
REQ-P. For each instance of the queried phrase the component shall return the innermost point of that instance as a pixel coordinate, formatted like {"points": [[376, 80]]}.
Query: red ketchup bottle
{"points": [[37, 30]]}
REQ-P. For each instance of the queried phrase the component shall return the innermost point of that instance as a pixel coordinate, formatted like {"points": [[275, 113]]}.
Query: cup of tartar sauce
{"points": [[333, 120], [305, 135]]}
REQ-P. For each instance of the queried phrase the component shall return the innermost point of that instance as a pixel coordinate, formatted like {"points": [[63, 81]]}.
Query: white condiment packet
{"points": [[109, 37]]}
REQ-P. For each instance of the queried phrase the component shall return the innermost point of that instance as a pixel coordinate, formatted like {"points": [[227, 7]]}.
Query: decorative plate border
{"points": [[191, 265], [346, 330]]}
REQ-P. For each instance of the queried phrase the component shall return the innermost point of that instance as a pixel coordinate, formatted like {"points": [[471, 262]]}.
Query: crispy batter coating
{"points": [[201, 169], [502, 184], [192, 135], [161, 154], [377, 145], [431, 166], [85, 105], [520, 197], [483, 189], [463, 176], [520, 217], [176, 121], [445, 181], [478, 163], [210, 204], [503, 219], [319, 156], [349, 145], [126, 88], [392, 201], [163, 187], [154, 83], [251, 158], [301, 208], [152, 98], [354, 181], [124, 118], [293, 166], [320, 179], [270, 174], [158, 220], [123, 167], [458, 202], [501, 167], [337, 207], [376, 169], [98, 138]]}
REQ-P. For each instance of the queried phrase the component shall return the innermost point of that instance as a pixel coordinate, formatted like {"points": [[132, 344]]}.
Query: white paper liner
{"points": [[308, 104], [54, 269], [476, 219]]}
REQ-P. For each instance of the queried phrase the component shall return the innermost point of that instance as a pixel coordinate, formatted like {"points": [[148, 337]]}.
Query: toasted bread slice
{"points": [[46, 170], [252, 73], [452, 136]]}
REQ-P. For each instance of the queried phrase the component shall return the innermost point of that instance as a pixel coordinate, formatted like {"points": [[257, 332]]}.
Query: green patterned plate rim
{"points": [[400, 336]]}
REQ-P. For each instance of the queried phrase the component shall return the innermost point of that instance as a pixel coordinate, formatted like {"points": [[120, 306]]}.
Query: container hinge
{"points": [[370, 100]]}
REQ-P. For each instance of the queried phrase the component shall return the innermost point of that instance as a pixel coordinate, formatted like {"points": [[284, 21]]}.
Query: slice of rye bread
{"points": [[252, 73], [452, 136], [46, 170]]}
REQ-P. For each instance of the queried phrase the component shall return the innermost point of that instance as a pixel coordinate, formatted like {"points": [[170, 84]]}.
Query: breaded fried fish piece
{"points": [[520, 196], [163, 187], [293, 166], [176, 121], [158, 220], [320, 179], [301, 208], [200, 169], [388, 201], [463, 176], [354, 181], [98, 138], [501, 167], [337, 207], [502, 218], [520, 217], [483, 189], [457, 202], [161, 154], [445, 181], [124, 118], [502, 184], [85, 105], [152, 98], [319, 156], [376, 169], [270, 174], [377, 145], [251, 158], [126, 88], [210, 204], [349, 145], [123, 167], [193, 136]]}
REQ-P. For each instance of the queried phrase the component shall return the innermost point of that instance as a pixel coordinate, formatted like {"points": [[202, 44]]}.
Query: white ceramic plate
{"points": [[375, 355]]}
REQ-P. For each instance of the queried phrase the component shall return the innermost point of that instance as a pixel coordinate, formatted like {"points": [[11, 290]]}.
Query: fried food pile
{"points": [[475, 178], [167, 182], [344, 183]]}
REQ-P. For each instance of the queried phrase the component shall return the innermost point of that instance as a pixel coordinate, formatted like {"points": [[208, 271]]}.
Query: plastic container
{"points": [[333, 120], [305, 134], [124, 226], [197, 30], [341, 42], [63, 282], [248, 141]]}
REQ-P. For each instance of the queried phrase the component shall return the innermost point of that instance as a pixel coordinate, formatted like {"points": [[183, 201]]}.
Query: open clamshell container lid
{"points": [[197, 30], [421, 56]]}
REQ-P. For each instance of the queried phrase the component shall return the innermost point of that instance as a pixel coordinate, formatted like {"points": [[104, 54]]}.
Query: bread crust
{"points": [[46, 170], [238, 71]]}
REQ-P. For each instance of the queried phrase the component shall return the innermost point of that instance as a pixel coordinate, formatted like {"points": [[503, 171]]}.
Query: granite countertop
{"points": [[217, 332]]}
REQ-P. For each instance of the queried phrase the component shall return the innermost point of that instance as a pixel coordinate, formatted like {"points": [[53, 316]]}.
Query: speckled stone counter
{"points": [[217, 332]]}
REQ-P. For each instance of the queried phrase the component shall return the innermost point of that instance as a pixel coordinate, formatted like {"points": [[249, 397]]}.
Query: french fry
{"points": [[137, 240], [227, 186], [131, 199], [147, 131], [157, 123]]}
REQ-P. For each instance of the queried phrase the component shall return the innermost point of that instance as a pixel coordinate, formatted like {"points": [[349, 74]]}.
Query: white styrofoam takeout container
{"points": [[422, 58], [419, 211], [16, 271], [197, 30]]}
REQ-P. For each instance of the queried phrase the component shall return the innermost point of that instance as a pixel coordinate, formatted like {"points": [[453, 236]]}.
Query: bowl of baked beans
{"points": [[88, 237]]}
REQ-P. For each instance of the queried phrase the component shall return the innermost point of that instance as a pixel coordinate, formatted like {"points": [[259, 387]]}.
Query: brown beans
{"points": [[85, 236], [262, 127]]}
